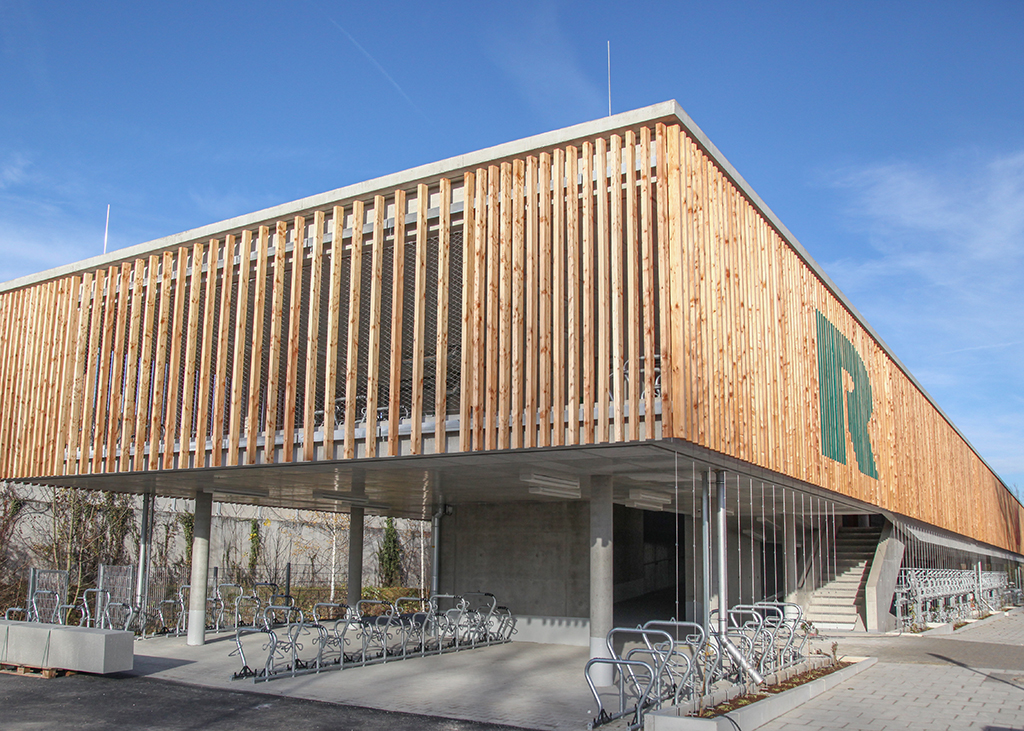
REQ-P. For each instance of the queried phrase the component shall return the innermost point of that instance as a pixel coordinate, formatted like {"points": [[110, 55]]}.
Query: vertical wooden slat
{"points": [[334, 325], [117, 365], [26, 394], [92, 362], [7, 324], [313, 345], [467, 373], [239, 398], [275, 345], [419, 317], [441, 347], [291, 381], [493, 312], [633, 318], [103, 408], [373, 362], [617, 292], [45, 383], [558, 299], [532, 233], [603, 290], [650, 285], [44, 390], [160, 385], [479, 311], [675, 258], [664, 290], [397, 326], [28, 312], [355, 269], [544, 303], [206, 375], [146, 394], [128, 412], [9, 344], [518, 298], [191, 345], [587, 295], [505, 307], [67, 376], [174, 359], [220, 391], [572, 295]]}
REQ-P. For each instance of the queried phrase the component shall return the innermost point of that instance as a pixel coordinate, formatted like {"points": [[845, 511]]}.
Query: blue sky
{"points": [[887, 136]]}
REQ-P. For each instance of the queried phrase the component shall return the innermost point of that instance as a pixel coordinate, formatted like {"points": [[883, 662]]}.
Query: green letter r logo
{"points": [[835, 355]]}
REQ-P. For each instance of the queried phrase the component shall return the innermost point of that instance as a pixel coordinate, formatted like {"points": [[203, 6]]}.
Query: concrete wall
{"points": [[881, 584], [533, 556]]}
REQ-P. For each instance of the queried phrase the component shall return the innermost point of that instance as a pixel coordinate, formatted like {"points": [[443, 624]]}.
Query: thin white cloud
{"points": [[943, 283], [13, 171], [380, 68], [540, 60]]}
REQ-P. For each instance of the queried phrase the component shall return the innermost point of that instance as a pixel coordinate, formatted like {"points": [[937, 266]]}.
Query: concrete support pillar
{"points": [[722, 555], [145, 539], [355, 542], [200, 566], [705, 542], [792, 573], [601, 577], [355, 556]]}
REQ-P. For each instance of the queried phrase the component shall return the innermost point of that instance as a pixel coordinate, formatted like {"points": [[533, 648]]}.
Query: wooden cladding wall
{"points": [[740, 321], [546, 300], [476, 313]]}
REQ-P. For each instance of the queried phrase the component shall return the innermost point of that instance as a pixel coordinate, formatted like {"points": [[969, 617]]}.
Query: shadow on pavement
{"points": [[996, 678]]}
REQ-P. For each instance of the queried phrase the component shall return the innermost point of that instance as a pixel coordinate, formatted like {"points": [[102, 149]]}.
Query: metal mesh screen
{"points": [[387, 282], [364, 331], [408, 326], [430, 328], [454, 370]]}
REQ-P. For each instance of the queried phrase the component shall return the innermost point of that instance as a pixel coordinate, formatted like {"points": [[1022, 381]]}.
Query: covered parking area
{"points": [[574, 539]]}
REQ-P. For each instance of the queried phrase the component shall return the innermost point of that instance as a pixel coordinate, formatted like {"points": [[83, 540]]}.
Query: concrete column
{"points": [[355, 556], [601, 579], [145, 538], [722, 555], [355, 541], [792, 575], [200, 566], [705, 543]]}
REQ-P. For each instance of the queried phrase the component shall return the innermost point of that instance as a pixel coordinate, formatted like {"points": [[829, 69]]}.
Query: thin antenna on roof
{"points": [[106, 230], [609, 78]]}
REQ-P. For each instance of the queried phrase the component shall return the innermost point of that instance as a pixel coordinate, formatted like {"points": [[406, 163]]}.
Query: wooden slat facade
{"points": [[619, 288]]}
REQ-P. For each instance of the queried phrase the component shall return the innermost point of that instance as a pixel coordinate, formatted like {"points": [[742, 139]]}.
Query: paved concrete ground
{"points": [[92, 703], [519, 684], [973, 679]]}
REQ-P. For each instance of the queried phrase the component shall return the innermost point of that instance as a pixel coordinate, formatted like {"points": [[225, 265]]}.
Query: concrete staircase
{"points": [[837, 604]]}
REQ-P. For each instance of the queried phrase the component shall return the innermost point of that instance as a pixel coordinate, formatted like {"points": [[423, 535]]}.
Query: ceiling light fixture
{"points": [[642, 505], [244, 491], [356, 501], [647, 496], [552, 486]]}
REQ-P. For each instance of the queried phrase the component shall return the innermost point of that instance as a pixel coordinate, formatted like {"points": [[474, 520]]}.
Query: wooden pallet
{"points": [[34, 672]]}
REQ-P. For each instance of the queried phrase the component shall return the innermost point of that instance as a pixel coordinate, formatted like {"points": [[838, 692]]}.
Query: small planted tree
{"points": [[389, 556]]}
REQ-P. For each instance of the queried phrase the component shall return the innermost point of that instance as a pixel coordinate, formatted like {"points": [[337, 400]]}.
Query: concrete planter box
{"points": [[82, 649], [756, 714]]}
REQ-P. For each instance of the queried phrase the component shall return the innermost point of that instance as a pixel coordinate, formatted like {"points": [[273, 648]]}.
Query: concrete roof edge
{"points": [[654, 112], [644, 115]]}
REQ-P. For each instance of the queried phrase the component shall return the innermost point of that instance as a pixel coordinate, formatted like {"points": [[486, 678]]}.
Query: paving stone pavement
{"points": [[973, 679]]}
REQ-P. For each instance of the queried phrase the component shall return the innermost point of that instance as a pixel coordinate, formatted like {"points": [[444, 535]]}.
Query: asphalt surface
{"points": [[128, 702]]}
